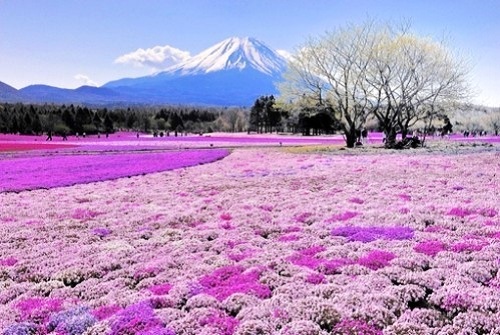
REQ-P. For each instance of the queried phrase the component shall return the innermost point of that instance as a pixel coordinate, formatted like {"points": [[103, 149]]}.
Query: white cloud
{"points": [[158, 57], [285, 54], [85, 80]]}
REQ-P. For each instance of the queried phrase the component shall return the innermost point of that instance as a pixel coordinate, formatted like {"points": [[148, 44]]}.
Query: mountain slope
{"points": [[9, 93], [235, 71]]}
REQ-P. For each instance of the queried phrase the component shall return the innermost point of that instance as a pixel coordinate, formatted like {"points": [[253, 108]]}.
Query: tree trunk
{"points": [[350, 138], [390, 138]]}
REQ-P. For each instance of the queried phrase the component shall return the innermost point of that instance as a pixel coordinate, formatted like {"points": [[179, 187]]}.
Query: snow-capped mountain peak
{"points": [[233, 53]]}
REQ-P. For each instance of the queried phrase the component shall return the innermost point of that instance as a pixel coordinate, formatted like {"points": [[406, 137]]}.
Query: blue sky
{"points": [[68, 43]]}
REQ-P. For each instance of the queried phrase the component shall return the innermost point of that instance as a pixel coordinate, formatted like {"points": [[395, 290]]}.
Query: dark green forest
{"points": [[32, 119], [265, 116]]}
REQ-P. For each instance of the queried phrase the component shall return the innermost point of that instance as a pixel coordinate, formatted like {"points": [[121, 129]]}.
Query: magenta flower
{"points": [[430, 248], [460, 212], [38, 310], [369, 234], [228, 280], [160, 289], [315, 278], [9, 261], [342, 217], [376, 259]]}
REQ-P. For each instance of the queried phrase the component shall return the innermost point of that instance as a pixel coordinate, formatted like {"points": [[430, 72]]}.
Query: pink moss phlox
{"points": [[9, 261], [160, 289], [342, 217], [434, 229], [460, 212], [38, 310], [456, 301], [288, 238], [84, 214], [135, 319], [488, 212], [231, 279], [495, 235], [315, 278], [469, 246], [404, 210], [101, 232], [226, 225], [302, 217], [292, 229], [224, 324], [404, 197], [355, 327], [267, 207], [491, 223], [369, 234], [307, 257], [147, 272], [239, 256], [376, 259], [457, 188], [430, 248], [225, 216], [104, 312], [356, 200], [332, 266]]}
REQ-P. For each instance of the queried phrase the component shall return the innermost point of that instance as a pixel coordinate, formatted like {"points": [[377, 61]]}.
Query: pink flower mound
{"points": [[146, 273], [225, 216], [84, 214], [342, 217], [430, 248], [9, 261], [488, 212], [460, 212], [357, 201], [404, 197], [333, 266], [38, 310], [315, 278], [160, 289], [376, 259], [65, 170], [105, 312], [469, 246], [369, 234], [228, 280], [138, 319], [307, 257], [456, 302], [288, 238], [225, 325], [302, 217], [355, 327]]}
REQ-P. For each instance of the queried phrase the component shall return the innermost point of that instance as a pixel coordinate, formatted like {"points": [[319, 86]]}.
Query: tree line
{"points": [[33, 119]]}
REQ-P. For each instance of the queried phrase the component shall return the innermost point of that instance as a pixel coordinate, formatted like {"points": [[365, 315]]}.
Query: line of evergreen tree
{"points": [[33, 119]]}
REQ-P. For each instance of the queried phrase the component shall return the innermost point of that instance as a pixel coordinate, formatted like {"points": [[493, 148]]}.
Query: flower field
{"points": [[261, 241]]}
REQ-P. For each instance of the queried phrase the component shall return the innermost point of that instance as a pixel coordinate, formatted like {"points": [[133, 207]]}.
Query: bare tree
{"points": [[330, 72], [397, 76], [493, 121]]}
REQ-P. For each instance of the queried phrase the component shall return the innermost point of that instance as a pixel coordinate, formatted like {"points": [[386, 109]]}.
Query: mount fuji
{"points": [[233, 72]]}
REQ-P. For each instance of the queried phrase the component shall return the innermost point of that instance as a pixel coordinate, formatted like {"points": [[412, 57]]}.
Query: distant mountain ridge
{"points": [[235, 71]]}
